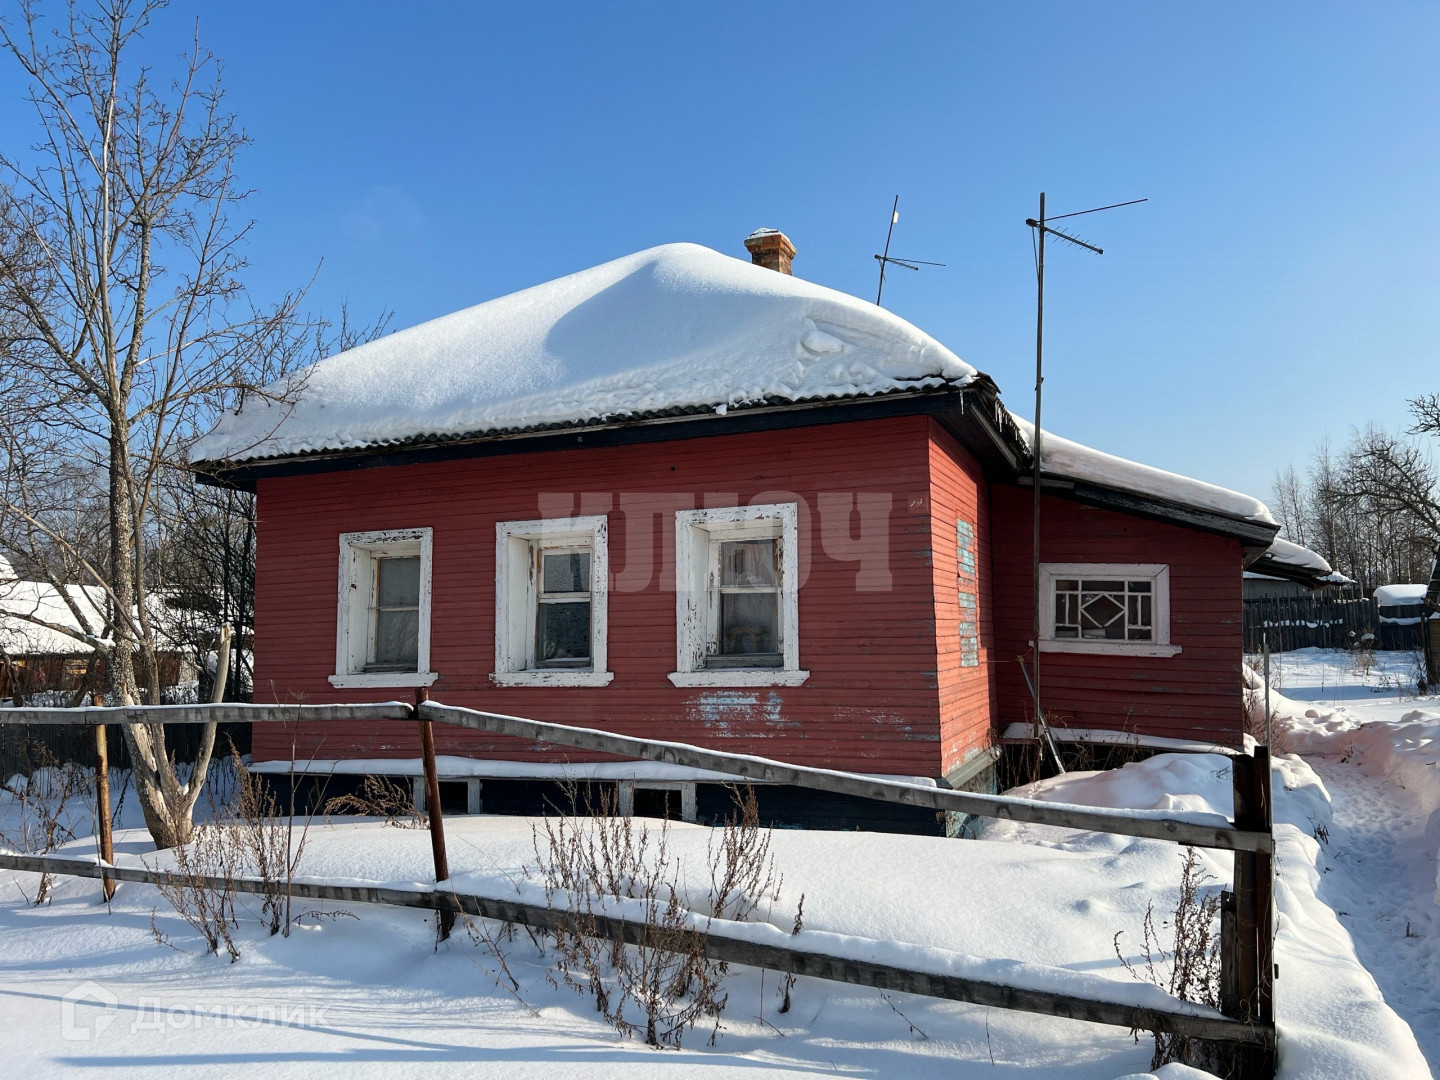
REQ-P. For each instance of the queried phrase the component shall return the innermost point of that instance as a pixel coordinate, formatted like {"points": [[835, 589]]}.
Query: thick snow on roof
{"points": [[1079, 462], [41, 600], [677, 327], [1292, 554], [1399, 595]]}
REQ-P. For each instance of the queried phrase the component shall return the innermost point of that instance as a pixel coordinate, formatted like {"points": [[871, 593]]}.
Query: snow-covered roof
{"points": [[1288, 553], [41, 600], [676, 328], [1399, 595], [1075, 461]]}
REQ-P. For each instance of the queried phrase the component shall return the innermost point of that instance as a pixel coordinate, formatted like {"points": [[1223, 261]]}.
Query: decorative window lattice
{"points": [[1104, 609]]}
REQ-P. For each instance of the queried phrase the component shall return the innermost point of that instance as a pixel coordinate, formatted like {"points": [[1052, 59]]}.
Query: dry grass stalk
{"points": [[267, 842], [659, 982], [380, 797], [1193, 966], [43, 800], [201, 887]]}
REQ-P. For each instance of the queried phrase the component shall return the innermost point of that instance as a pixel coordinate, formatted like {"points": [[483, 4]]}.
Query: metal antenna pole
{"points": [[885, 258], [1042, 229], [1039, 384]]}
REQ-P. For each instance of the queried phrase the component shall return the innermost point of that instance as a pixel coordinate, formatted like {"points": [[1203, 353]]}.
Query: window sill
{"points": [[384, 678], [1109, 648], [739, 677], [553, 677]]}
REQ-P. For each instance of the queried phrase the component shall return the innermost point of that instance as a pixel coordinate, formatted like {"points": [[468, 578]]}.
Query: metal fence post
{"points": [[102, 803], [445, 921]]}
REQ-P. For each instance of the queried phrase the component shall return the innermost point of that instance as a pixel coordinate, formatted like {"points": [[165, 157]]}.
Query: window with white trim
{"points": [[1121, 608], [737, 603], [383, 615], [551, 594]]}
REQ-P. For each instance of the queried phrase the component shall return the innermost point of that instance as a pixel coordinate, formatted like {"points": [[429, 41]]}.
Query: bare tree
{"points": [[125, 328], [1373, 509]]}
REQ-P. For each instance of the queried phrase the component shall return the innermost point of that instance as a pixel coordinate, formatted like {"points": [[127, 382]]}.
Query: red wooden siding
{"points": [[871, 702], [958, 490], [1193, 695]]}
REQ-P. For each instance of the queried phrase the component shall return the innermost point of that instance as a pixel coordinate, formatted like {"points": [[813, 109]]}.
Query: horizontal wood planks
{"points": [[1194, 695], [958, 491], [870, 704]]}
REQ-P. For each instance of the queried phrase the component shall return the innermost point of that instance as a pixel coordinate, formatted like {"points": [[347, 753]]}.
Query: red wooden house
{"points": [[691, 498]]}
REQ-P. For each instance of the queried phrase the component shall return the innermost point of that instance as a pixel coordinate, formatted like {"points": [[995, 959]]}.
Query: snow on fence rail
{"points": [[1247, 913], [1149, 1009], [1194, 828]]}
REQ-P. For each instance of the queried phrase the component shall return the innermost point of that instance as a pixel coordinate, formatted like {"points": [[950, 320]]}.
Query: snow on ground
{"points": [[371, 995], [1376, 745]]}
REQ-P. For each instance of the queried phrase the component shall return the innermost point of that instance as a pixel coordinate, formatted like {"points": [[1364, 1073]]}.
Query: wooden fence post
{"points": [[1247, 925], [445, 920], [102, 803]]}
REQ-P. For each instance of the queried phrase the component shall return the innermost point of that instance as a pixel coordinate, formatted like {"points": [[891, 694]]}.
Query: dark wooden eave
{"points": [[972, 414], [1254, 536]]}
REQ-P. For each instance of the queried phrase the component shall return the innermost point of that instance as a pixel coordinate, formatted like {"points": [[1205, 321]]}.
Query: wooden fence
{"points": [[1247, 918]]}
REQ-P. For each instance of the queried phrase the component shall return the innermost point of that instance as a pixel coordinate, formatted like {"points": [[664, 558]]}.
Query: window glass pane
{"points": [[1067, 584], [749, 623], [1139, 586], [399, 583], [747, 563], [1102, 615], [567, 571], [1067, 631], [562, 631], [1140, 633], [1104, 586], [397, 636]]}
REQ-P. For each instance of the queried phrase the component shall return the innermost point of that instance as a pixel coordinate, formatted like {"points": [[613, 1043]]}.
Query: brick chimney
{"points": [[770, 248]]}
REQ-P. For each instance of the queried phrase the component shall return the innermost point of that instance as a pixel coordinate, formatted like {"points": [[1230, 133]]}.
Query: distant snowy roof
{"points": [[40, 600], [674, 328], [1289, 553], [1399, 595], [1078, 462]]}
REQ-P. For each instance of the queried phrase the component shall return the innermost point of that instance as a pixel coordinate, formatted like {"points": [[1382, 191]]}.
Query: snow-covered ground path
{"points": [[361, 991], [1377, 748]]}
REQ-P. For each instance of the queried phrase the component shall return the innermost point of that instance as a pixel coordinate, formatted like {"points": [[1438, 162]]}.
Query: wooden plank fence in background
{"points": [[1247, 926]]}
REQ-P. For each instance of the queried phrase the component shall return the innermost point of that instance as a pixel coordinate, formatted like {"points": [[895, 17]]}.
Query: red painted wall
{"points": [[872, 702], [967, 694], [1193, 695]]}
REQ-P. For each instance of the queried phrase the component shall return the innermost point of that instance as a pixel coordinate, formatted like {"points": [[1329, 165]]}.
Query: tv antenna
{"points": [[886, 259], [1040, 228]]}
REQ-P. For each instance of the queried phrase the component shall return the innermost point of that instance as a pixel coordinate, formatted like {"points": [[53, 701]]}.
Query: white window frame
{"points": [[697, 570], [358, 553], [1159, 576], [516, 544]]}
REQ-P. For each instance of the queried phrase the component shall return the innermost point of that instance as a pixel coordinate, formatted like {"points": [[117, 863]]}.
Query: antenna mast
{"points": [[1040, 228], [886, 259]]}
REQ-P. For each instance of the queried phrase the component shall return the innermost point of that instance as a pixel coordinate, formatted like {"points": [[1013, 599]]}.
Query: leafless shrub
{"points": [[380, 797], [661, 973], [201, 887], [266, 843], [742, 870], [44, 808], [1192, 970], [787, 984]]}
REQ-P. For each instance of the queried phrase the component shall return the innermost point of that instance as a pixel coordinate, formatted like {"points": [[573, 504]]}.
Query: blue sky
{"points": [[1281, 283]]}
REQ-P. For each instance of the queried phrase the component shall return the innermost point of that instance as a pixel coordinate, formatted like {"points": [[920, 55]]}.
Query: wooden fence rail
{"points": [[1247, 924], [718, 946]]}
